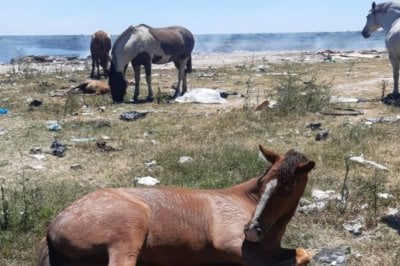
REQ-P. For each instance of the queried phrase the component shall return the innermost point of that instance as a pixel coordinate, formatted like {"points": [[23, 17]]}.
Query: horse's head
{"points": [[372, 23], [380, 15], [117, 83], [280, 190]]}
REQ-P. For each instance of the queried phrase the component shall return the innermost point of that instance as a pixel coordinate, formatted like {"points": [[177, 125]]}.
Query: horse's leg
{"points": [[132, 237], [104, 64], [147, 68], [93, 66], [136, 69], [184, 83], [394, 60], [120, 256], [181, 74], [98, 68]]}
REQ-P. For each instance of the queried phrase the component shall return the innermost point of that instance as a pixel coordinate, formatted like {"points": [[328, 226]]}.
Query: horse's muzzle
{"points": [[253, 232], [365, 34]]}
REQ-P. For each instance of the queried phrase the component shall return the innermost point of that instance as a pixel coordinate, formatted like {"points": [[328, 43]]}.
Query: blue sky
{"points": [[48, 17]]}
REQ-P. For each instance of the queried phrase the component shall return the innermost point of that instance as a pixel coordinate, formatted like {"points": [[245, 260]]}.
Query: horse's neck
{"points": [[249, 189], [389, 18]]}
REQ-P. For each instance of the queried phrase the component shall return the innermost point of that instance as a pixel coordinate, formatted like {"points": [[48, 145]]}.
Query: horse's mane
{"points": [[287, 170], [129, 30], [384, 7]]}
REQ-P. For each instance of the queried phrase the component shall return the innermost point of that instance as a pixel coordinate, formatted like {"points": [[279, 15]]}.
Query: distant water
{"points": [[78, 45]]}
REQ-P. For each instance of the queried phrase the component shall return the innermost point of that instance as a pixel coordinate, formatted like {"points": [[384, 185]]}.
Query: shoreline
{"points": [[51, 64]]}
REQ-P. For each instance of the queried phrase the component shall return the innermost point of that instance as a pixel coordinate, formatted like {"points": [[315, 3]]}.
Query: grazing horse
{"points": [[386, 15], [181, 226], [144, 45], [100, 47]]}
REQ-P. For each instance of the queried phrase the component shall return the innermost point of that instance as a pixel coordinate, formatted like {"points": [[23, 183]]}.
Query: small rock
{"points": [[75, 167], [147, 181], [185, 159]]}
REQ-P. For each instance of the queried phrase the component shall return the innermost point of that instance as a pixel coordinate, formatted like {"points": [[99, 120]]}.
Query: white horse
{"points": [[386, 15], [144, 45]]}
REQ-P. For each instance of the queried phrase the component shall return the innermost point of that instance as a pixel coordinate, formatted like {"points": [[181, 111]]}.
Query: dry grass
{"points": [[222, 140]]}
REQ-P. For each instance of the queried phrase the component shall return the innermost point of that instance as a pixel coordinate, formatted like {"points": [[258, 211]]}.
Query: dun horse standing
{"points": [[181, 226], [386, 15], [144, 45], [100, 47]]}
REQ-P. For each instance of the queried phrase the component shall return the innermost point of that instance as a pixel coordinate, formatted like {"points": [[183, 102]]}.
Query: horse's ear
{"points": [[305, 168], [373, 7], [268, 155]]}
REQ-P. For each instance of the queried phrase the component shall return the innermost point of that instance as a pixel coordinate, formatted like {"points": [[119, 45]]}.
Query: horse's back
{"points": [[173, 223], [97, 221], [100, 43], [174, 36]]}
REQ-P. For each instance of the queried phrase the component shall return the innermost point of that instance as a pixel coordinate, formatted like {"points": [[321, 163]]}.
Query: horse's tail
{"points": [[189, 65], [42, 254]]}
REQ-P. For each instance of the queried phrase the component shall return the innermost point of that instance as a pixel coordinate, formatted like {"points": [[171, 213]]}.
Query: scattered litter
{"points": [[360, 159], [384, 195], [132, 115], [226, 94], [320, 195], [37, 156], [185, 159], [359, 55], [35, 103], [147, 181], [390, 119], [392, 218], [57, 148], [322, 136], [150, 164], [76, 167], [338, 99], [321, 199], [355, 226], [59, 93], [3, 131], [104, 137], [262, 69], [102, 144], [201, 95], [83, 139], [333, 256], [35, 167], [318, 206], [206, 75], [4, 111], [53, 126], [341, 111], [36, 151], [314, 126], [267, 103], [392, 211], [282, 74]]}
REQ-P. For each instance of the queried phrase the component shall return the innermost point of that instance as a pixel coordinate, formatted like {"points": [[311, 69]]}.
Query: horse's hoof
{"points": [[150, 99]]}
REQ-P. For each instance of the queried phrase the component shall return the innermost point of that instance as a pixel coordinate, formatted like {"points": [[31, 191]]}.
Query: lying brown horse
{"points": [[182, 226], [100, 47], [143, 45]]}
